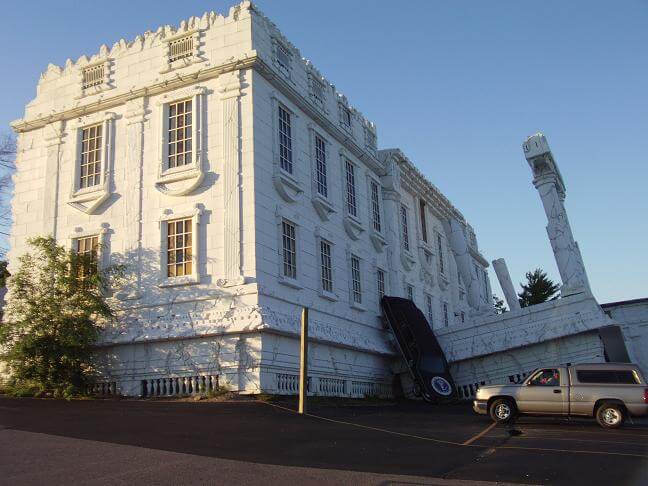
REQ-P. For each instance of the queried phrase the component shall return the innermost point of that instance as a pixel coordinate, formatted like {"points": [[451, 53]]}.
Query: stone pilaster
{"points": [[504, 278], [53, 135], [459, 245]]}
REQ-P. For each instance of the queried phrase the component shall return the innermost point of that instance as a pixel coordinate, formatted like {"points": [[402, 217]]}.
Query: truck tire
{"points": [[502, 410], [610, 415]]}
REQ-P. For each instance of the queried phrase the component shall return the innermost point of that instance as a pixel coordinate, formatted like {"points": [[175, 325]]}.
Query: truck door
{"points": [[546, 391]]}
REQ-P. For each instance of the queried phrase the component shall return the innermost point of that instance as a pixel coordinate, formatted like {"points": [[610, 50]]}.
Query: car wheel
{"points": [[610, 415], [502, 410]]}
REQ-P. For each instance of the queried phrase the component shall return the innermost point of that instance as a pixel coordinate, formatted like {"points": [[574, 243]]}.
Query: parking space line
{"points": [[481, 434]]}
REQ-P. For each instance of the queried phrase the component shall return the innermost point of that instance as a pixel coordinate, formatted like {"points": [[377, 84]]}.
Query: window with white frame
{"points": [[380, 283], [320, 166], [375, 206], [423, 220], [90, 160], [179, 135], [351, 201], [285, 140], [93, 75], [440, 253], [404, 228], [345, 117], [356, 284], [429, 309], [326, 266], [289, 248], [181, 48], [446, 321], [283, 58], [410, 292], [87, 247], [179, 248], [318, 90]]}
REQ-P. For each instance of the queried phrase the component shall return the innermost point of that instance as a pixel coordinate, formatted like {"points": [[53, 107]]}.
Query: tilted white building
{"points": [[238, 186]]}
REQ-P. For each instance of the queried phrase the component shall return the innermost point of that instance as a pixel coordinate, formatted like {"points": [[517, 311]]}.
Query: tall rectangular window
{"points": [[283, 58], [375, 206], [380, 281], [87, 247], [289, 249], [90, 164], [423, 221], [285, 141], [326, 266], [179, 134], [352, 207], [429, 309], [404, 228], [320, 166], [485, 275], [355, 280], [179, 247], [440, 253], [446, 321]]}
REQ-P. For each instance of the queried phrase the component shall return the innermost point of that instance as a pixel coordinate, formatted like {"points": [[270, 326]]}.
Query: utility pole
{"points": [[303, 362]]}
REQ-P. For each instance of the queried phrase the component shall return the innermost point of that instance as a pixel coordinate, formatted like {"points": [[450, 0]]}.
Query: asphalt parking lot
{"points": [[160, 442]]}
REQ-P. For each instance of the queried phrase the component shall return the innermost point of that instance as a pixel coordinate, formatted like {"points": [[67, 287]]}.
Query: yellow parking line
{"points": [[481, 434]]}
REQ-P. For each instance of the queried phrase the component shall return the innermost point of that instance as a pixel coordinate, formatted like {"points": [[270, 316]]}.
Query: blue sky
{"points": [[457, 85]]}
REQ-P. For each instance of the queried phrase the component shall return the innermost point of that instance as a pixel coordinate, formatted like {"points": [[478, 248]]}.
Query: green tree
{"points": [[55, 310], [498, 305], [4, 273], [537, 289]]}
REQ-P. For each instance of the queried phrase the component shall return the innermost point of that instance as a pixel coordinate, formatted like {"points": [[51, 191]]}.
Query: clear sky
{"points": [[457, 85]]}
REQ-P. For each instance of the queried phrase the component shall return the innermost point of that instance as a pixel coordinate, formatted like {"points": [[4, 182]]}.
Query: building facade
{"points": [[238, 186]]}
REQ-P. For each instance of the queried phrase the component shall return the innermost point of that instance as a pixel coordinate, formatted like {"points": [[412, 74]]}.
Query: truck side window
{"points": [[548, 377]]}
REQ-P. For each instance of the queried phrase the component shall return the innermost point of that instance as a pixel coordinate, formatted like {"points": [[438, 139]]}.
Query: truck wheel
{"points": [[502, 410], [610, 415]]}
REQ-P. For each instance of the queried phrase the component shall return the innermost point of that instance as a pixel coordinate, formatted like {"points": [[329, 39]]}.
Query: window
{"points": [[430, 310], [404, 228], [548, 377], [87, 247], [179, 247], [94, 75], [380, 280], [289, 250], [375, 206], [345, 117], [179, 134], [317, 90], [627, 377], [440, 252], [446, 321], [485, 275], [283, 58], [423, 221], [352, 207], [370, 139], [285, 141], [326, 266], [90, 163], [463, 317], [410, 292], [355, 280], [320, 166], [181, 48]]}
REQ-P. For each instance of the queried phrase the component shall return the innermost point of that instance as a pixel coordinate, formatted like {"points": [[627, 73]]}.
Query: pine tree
{"points": [[498, 305], [537, 289]]}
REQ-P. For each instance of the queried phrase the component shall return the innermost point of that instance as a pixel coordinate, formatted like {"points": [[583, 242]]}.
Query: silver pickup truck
{"points": [[610, 392]]}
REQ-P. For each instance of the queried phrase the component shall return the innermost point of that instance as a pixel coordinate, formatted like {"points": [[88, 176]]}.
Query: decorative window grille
{"points": [[90, 166], [440, 252], [380, 277], [87, 247], [405, 228], [375, 207], [289, 249], [179, 247], [285, 141], [355, 280], [410, 292], [94, 75], [446, 322], [352, 207], [320, 169], [283, 58], [318, 90], [326, 266], [423, 220], [429, 309], [179, 134], [181, 48], [345, 117]]}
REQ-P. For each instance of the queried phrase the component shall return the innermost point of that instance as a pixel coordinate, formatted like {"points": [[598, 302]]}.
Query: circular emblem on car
{"points": [[441, 386]]}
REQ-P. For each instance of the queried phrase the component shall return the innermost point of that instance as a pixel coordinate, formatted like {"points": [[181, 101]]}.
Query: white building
{"points": [[238, 185]]}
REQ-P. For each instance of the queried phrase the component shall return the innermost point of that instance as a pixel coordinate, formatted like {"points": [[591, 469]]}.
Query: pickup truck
{"points": [[610, 392]]}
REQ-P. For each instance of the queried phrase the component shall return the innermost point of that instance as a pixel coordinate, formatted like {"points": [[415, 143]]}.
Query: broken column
{"points": [[549, 183], [504, 278]]}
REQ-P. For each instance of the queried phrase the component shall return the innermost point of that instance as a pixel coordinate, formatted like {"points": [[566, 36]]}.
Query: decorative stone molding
{"points": [[96, 76], [194, 37]]}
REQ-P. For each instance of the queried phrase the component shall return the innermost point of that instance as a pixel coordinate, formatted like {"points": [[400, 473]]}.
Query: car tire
{"points": [[502, 410], [610, 415]]}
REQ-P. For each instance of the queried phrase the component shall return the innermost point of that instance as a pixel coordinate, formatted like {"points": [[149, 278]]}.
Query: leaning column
{"points": [[504, 278]]}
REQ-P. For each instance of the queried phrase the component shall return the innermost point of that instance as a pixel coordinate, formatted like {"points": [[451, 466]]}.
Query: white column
{"points": [[230, 93], [53, 135], [504, 278], [459, 245], [551, 188]]}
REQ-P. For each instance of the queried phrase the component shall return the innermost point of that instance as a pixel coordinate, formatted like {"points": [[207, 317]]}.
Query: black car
{"points": [[420, 349]]}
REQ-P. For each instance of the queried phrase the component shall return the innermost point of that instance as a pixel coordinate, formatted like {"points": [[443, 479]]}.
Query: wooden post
{"points": [[303, 362]]}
